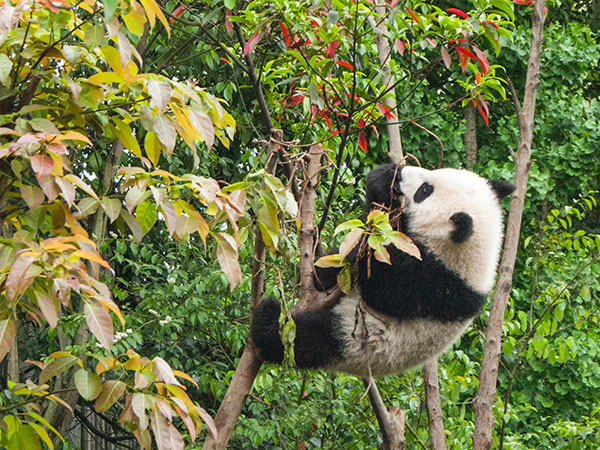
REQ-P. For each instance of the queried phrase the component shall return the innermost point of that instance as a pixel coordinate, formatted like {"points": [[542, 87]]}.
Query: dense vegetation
{"points": [[132, 148]]}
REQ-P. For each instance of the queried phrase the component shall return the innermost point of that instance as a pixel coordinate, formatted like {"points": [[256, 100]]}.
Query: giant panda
{"points": [[399, 315]]}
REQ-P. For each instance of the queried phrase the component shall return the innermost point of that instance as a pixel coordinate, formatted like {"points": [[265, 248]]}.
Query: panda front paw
{"points": [[383, 187]]}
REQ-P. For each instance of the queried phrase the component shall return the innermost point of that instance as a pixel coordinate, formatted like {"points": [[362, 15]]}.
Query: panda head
{"points": [[456, 215]]}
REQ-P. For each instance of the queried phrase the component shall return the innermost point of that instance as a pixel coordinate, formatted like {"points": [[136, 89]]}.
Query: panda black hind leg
{"points": [[317, 341]]}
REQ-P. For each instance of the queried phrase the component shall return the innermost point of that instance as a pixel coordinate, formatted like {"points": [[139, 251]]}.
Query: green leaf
{"points": [[88, 384], [349, 225], [24, 438], [93, 36], [43, 434], [110, 7], [146, 215], [112, 207], [5, 68], [327, 261], [58, 366]]}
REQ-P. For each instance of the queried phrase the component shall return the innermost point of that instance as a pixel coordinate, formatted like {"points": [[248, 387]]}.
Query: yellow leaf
{"points": [[185, 376], [74, 136], [113, 58], [152, 147], [101, 78], [126, 136], [92, 257], [186, 130], [153, 10]]}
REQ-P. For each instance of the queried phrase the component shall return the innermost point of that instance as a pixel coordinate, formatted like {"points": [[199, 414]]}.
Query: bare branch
{"points": [[434, 407]]}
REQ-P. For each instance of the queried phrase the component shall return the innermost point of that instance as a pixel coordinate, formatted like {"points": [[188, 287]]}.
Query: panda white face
{"points": [[456, 215]]}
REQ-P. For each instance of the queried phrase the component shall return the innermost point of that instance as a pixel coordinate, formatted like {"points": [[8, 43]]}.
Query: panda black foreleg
{"points": [[382, 187], [317, 335]]}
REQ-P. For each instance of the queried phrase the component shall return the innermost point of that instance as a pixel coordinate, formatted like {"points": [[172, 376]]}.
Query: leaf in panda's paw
{"points": [[350, 241], [344, 280], [326, 261], [405, 244], [348, 225]]}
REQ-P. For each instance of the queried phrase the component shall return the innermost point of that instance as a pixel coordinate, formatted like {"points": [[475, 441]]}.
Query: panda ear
{"points": [[463, 227], [501, 188]]}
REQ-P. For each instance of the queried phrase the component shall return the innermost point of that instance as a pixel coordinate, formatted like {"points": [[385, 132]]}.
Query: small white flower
{"points": [[171, 280], [165, 320]]}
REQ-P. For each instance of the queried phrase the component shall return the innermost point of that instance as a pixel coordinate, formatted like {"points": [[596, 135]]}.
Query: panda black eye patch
{"points": [[424, 191]]}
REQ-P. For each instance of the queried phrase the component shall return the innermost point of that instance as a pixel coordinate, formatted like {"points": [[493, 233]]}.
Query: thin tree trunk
{"points": [[482, 406], [249, 364], [437, 439], [384, 53], [391, 422], [470, 136]]}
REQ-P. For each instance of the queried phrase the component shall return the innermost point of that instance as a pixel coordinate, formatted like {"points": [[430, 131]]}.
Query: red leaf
{"points": [[326, 117], [42, 165], [491, 23], [362, 141], [478, 78], [412, 14], [177, 12], [251, 43], [463, 60], [286, 34], [446, 57], [332, 48], [464, 56], [384, 111], [481, 112], [393, 4], [466, 52], [345, 64], [458, 12], [431, 42], [485, 64], [228, 24], [400, 46], [295, 99], [484, 104], [375, 130]]}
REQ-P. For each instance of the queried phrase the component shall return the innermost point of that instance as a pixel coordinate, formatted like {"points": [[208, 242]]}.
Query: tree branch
{"points": [[434, 407]]}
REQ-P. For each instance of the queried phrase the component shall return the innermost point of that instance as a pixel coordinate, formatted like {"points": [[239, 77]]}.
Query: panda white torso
{"points": [[394, 345], [414, 309]]}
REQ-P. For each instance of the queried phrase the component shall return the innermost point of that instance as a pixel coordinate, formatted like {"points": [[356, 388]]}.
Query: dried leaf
{"points": [[32, 195], [160, 93], [227, 255], [163, 371], [47, 307], [350, 241], [8, 330], [100, 323], [166, 435], [111, 392]]}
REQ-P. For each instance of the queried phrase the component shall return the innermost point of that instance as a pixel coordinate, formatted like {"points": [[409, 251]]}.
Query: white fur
{"points": [[393, 345], [475, 259]]}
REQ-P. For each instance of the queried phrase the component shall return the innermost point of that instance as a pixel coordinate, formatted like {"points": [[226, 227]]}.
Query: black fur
{"points": [[380, 184], [317, 341], [410, 289], [463, 227], [501, 188]]}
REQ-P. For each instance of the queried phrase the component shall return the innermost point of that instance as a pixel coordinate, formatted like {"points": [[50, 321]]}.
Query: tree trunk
{"points": [[383, 53], [437, 439], [482, 406], [470, 136], [391, 422]]}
